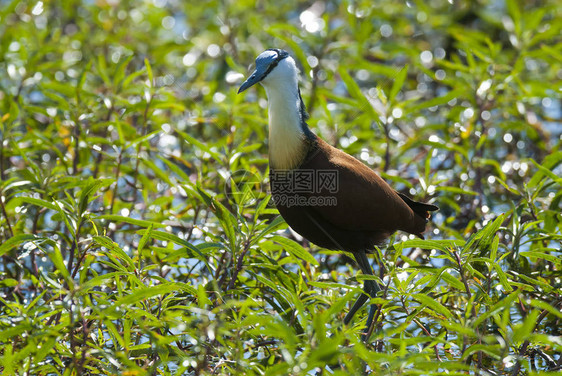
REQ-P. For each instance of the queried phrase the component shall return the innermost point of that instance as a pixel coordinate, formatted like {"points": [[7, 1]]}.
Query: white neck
{"points": [[287, 146]]}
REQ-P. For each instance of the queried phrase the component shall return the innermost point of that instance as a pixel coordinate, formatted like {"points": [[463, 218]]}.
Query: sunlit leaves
{"points": [[129, 246]]}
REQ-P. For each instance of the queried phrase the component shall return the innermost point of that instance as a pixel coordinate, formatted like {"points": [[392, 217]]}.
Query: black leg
{"points": [[370, 287], [358, 304], [372, 311]]}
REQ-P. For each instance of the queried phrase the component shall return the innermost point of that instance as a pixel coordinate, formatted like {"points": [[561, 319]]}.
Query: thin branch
{"points": [[422, 327], [525, 345], [117, 173], [5, 214], [461, 271], [239, 265]]}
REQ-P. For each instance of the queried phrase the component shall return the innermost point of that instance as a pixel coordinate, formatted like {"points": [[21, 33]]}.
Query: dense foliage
{"points": [[136, 232]]}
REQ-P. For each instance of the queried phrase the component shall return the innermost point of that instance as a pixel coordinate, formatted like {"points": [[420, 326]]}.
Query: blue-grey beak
{"points": [[254, 78], [265, 62]]}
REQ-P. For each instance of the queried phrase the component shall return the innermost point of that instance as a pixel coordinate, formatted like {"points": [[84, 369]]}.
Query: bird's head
{"points": [[272, 65]]}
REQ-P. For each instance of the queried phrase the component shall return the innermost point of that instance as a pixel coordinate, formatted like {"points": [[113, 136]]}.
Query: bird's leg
{"points": [[372, 310], [358, 304], [370, 287]]}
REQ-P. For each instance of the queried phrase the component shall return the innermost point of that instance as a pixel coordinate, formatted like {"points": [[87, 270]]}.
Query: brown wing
{"points": [[364, 201]]}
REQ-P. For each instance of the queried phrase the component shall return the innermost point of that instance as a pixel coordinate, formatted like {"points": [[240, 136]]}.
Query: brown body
{"points": [[364, 209]]}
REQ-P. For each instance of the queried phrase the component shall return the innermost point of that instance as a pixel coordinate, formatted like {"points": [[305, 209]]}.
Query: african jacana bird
{"points": [[356, 213]]}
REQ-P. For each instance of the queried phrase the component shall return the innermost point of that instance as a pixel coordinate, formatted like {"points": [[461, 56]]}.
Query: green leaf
{"points": [[503, 278], [555, 311], [548, 173], [442, 245], [102, 69], [161, 174], [433, 304], [149, 72], [484, 237], [274, 225], [454, 94], [132, 221], [200, 145], [148, 292], [161, 235], [504, 303], [14, 241], [548, 164], [106, 242], [295, 249], [57, 260], [356, 93], [91, 188], [398, 83], [228, 221], [453, 281], [35, 201], [8, 282], [100, 280], [82, 78], [120, 71], [541, 255], [515, 13], [145, 237], [183, 177], [522, 331]]}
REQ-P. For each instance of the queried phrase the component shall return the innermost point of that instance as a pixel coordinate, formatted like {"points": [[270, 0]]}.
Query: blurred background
{"points": [[128, 159]]}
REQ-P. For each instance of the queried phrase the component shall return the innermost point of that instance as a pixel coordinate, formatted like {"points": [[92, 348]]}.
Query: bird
{"points": [[324, 194]]}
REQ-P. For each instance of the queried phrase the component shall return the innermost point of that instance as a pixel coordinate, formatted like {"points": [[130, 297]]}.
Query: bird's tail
{"points": [[420, 209]]}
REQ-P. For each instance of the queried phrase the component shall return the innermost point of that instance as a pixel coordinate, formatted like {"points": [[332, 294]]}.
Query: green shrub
{"points": [[129, 248]]}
